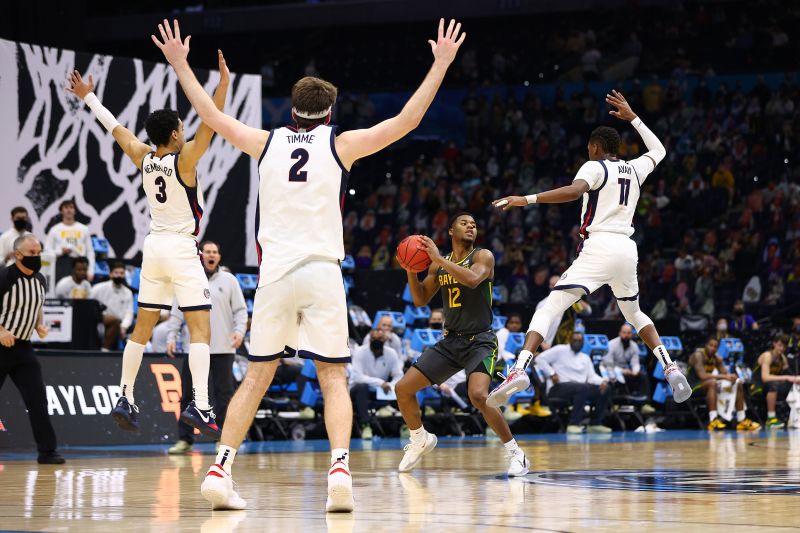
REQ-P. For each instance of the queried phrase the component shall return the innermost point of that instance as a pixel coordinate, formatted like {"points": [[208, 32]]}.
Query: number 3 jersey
{"points": [[174, 207], [614, 188], [300, 199]]}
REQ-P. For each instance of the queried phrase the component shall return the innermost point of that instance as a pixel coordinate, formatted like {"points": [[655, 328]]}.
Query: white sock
{"points": [[199, 361], [712, 415], [662, 355], [131, 361], [511, 446], [523, 360], [225, 457], [340, 454], [771, 414], [740, 416], [417, 435]]}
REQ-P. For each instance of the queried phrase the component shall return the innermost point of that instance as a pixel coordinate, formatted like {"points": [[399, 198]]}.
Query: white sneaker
{"points": [[680, 387], [415, 452], [517, 463], [217, 489], [340, 488], [516, 381]]}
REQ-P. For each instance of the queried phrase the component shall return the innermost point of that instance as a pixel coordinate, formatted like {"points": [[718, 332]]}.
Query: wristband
{"points": [[531, 199], [102, 114]]}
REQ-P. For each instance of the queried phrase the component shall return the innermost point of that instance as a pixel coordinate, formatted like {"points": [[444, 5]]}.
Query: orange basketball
{"points": [[410, 256]]}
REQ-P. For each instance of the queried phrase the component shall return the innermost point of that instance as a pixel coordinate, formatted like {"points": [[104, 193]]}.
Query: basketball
{"points": [[410, 256]]}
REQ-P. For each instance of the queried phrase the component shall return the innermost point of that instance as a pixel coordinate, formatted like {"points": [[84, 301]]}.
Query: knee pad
{"points": [[553, 309], [634, 315]]}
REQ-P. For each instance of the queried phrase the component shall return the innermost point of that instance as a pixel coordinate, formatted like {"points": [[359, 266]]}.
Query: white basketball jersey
{"points": [[174, 207], [300, 198], [614, 188]]}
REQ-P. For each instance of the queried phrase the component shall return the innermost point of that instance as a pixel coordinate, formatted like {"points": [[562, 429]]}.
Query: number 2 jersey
{"points": [[174, 206], [300, 197], [614, 189]]}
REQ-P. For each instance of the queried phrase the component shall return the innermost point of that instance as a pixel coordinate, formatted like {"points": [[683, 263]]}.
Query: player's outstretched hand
{"points": [[623, 108], [174, 49], [77, 86], [508, 202], [224, 73], [447, 43]]}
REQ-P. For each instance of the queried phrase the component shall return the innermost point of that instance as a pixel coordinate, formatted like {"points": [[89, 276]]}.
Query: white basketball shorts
{"points": [[172, 268], [605, 258], [305, 312]]}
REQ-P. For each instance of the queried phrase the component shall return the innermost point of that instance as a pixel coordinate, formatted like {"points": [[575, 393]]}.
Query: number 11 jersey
{"points": [[301, 193], [174, 206]]}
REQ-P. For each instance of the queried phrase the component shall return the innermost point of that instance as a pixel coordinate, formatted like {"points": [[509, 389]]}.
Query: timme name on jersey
{"points": [[301, 190], [174, 206]]}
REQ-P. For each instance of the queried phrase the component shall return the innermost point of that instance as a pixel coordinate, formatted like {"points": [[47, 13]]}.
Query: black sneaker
{"points": [[50, 458], [203, 420], [126, 415]]}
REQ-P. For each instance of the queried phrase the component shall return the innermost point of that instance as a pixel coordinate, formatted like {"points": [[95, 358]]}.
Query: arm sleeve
{"points": [[591, 375], [238, 307], [174, 323], [544, 360], [127, 320], [656, 152], [591, 172]]}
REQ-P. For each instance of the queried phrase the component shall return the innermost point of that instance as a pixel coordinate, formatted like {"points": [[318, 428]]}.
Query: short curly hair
{"points": [[607, 138], [160, 125]]}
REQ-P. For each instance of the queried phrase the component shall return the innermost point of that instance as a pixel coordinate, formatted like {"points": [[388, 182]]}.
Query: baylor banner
{"points": [[81, 392]]}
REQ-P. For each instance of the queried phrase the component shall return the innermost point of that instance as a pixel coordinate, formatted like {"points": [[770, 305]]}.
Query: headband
{"points": [[311, 116]]}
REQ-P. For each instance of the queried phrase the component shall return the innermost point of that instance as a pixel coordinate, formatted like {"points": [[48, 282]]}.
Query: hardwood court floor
{"points": [[673, 481]]}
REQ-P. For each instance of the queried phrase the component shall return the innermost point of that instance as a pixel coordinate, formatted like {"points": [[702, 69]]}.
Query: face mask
{"points": [[576, 346], [32, 262], [438, 325], [738, 311], [626, 342], [376, 346], [21, 224], [722, 327], [118, 281]]}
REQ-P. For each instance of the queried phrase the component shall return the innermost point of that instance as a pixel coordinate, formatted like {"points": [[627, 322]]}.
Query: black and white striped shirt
{"points": [[21, 300]]}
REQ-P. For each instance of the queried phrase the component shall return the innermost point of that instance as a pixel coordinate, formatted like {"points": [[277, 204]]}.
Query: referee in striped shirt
{"points": [[22, 290]]}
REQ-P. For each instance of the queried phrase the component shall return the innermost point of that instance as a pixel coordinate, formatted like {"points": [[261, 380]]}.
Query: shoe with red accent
{"points": [[340, 488], [203, 420], [516, 381], [217, 489]]}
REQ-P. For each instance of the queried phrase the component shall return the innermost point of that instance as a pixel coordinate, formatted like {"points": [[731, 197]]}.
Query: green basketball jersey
{"points": [[465, 309]]}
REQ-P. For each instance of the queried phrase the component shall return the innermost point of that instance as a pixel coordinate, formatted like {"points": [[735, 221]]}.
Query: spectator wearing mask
{"points": [[21, 225], [573, 379], [706, 368], [118, 302], [75, 286], [623, 352], [70, 238], [773, 378], [436, 320], [722, 329], [741, 321], [375, 365], [392, 340]]}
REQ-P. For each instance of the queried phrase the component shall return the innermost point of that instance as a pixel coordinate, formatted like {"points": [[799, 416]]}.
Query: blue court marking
{"points": [[378, 444]]}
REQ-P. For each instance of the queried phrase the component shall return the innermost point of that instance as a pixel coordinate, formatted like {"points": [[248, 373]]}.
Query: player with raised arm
{"points": [[171, 267], [300, 301], [464, 278], [610, 188]]}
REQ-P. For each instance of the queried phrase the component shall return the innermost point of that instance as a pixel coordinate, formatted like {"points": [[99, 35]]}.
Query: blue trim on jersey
{"points": [[191, 196], [605, 177], [637, 176], [154, 306], [627, 298], [265, 358], [291, 351], [195, 308], [305, 354], [571, 286], [333, 149], [269, 140]]}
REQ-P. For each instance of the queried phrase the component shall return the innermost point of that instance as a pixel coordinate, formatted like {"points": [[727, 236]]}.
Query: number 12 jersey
{"points": [[301, 193]]}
